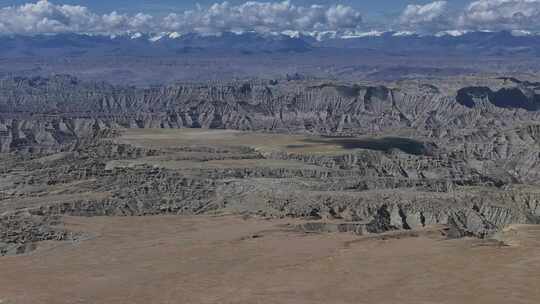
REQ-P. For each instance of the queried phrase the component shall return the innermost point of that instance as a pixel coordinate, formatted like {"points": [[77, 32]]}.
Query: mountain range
{"points": [[137, 44], [152, 59]]}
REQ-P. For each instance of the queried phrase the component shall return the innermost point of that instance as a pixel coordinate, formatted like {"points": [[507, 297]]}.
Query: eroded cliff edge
{"points": [[365, 158]]}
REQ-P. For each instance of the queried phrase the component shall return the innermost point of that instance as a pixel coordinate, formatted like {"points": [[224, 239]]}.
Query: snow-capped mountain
{"points": [[163, 44]]}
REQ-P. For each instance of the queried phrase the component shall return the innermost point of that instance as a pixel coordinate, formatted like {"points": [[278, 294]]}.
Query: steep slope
{"points": [[374, 157]]}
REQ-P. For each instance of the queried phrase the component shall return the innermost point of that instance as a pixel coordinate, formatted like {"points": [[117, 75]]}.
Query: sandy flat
{"points": [[263, 142], [234, 260]]}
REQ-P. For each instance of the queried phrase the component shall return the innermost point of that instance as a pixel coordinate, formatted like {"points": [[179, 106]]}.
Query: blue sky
{"points": [[345, 16], [368, 7]]}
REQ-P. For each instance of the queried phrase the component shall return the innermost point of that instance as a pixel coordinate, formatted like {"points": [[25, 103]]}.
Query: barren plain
{"points": [[269, 192], [229, 259]]}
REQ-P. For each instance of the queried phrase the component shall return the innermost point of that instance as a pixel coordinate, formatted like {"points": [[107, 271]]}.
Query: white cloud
{"points": [[431, 17], [46, 17], [264, 16], [490, 15], [519, 16], [501, 15], [342, 17]]}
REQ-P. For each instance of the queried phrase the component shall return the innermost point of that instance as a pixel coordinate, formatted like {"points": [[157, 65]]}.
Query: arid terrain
{"points": [[269, 192], [228, 259], [269, 152]]}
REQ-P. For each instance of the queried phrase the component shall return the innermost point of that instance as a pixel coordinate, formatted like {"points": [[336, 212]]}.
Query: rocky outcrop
{"points": [[19, 232], [410, 156], [45, 112], [515, 97]]}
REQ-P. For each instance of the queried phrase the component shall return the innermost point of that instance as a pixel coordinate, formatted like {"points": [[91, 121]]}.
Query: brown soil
{"points": [[233, 260]]}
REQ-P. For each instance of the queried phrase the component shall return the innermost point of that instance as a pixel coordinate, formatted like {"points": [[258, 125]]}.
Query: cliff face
{"points": [[407, 155], [52, 111]]}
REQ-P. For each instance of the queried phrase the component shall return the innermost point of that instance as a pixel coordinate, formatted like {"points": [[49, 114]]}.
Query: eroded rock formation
{"points": [[410, 155]]}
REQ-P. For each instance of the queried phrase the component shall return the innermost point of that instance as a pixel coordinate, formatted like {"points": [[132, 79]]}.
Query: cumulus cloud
{"points": [[430, 17], [516, 15], [46, 17], [271, 16], [501, 15], [265, 16]]}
